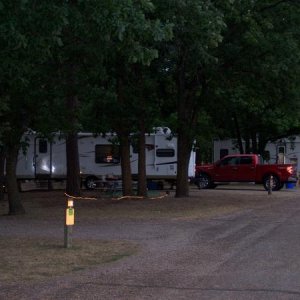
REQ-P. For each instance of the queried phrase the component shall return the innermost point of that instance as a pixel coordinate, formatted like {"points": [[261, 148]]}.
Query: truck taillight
{"points": [[290, 169]]}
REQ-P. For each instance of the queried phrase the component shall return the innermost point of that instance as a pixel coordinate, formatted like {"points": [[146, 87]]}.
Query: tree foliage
{"points": [[26, 37], [202, 67], [131, 36], [186, 61], [258, 73]]}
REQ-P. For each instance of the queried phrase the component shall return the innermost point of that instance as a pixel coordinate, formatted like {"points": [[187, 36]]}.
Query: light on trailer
{"points": [[45, 167]]}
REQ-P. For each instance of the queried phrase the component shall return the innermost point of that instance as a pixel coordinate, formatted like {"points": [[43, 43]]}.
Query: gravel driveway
{"points": [[251, 253]]}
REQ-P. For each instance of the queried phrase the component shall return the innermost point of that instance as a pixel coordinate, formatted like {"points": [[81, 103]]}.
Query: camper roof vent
{"points": [[162, 130]]}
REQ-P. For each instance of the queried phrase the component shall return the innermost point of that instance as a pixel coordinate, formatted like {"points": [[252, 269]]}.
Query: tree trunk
{"points": [[254, 143], [72, 154], [73, 169], [184, 150], [238, 133], [125, 164], [262, 142], [188, 109], [247, 144], [142, 181], [2, 178], [123, 131], [14, 198]]}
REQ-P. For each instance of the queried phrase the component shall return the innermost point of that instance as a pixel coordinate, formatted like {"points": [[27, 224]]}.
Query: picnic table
{"points": [[111, 186]]}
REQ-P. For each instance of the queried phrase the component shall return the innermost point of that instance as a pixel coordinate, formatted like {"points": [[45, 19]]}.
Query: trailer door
{"points": [[42, 158]]}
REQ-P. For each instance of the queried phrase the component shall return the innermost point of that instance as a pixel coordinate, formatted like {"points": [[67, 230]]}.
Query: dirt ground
{"points": [[39, 249], [93, 205]]}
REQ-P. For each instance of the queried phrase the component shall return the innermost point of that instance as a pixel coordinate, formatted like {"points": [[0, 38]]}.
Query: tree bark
{"points": [[142, 181], [125, 164], [14, 198], [188, 109], [247, 144], [254, 143], [184, 150], [73, 169], [123, 131], [262, 142], [238, 133], [2, 178], [72, 153]]}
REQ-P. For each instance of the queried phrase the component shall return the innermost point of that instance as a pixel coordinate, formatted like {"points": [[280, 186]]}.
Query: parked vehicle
{"points": [[99, 157], [244, 168], [281, 151]]}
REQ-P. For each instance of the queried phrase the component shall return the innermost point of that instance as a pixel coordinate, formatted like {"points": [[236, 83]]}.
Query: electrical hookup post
{"points": [[70, 216]]}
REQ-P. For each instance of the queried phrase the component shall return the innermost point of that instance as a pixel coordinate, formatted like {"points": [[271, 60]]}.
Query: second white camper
{"points": [[282, 151]]}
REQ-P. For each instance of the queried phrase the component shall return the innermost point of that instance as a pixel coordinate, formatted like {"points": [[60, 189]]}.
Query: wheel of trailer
{"points": [[276, 184], [90, 182], [204, 181]]}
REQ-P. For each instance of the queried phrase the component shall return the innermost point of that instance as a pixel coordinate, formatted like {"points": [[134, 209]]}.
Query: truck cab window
{"points": [[246, 160], [229, 161]]}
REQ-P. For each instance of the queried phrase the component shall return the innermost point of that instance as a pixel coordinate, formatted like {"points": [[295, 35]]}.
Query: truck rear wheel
{"points": [[204, 182], [281, 186], [276, 184]]}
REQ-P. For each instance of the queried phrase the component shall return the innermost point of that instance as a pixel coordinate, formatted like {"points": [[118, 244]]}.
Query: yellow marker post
{"points": [[70, 213], [70, 216]]}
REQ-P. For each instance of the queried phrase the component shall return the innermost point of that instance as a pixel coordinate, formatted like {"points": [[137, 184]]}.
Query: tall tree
{"points": [[131, 31], [258, 72], [26, 37], [77, 67], [188, 59]]}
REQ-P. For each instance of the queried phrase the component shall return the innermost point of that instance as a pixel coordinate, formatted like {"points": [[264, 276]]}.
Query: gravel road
{"points": [[249, 254]]}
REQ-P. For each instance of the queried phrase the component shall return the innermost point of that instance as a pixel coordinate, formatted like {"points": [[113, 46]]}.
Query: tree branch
{"points": [[271, 6]]}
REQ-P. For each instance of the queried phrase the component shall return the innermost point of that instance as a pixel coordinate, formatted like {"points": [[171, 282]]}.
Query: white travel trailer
{"points": [[99, 157], [283, 151]]}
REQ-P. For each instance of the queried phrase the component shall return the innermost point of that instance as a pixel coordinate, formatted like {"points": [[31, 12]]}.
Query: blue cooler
{"points": [[290, 185]]}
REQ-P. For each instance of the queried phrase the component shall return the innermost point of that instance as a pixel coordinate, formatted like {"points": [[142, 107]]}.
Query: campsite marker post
{"points": [[69, 223]]}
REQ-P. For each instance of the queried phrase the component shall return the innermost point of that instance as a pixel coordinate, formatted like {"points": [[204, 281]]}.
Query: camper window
{"points": [[43, 146], [107, 154], [165, 152], [223, 152]]}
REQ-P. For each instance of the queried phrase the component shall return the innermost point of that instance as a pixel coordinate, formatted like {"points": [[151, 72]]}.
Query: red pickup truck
{"points": [[244, 168]]}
